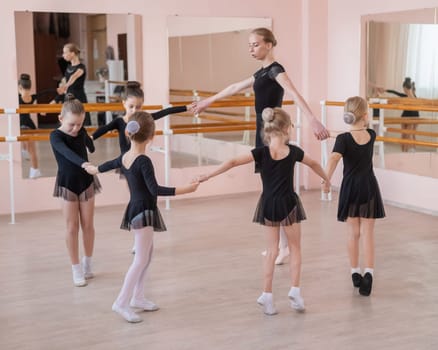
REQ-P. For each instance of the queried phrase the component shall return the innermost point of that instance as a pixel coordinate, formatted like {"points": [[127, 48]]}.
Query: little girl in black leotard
{"points": [[409, 92], [25, 97], [360, 202], [142, 216], [279, 205], [132, 102], [74, 186]]}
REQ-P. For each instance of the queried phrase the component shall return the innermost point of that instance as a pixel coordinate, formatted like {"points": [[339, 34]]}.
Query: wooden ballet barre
{"points": [[193, 129], [407, 107], [413, 132], [410, 120], [406, 142], [411, 101], [203, 93], [114, 133], [210, 129], [216, 118], [90, 129], [401, 107], [89, 107], [179, 126], [228, 113]]}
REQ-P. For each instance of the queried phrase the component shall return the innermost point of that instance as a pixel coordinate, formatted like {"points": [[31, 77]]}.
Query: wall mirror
{"points": [[399, 46], [206, 54], [111, 46]]}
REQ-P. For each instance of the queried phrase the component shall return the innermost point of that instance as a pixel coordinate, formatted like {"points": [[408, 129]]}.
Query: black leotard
{"points": [[268, 93], [359, 195], [73, 182], [279, 205], [142, 209], [26, 121]]}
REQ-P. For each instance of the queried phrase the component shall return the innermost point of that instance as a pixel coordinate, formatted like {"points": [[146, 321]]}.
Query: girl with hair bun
{"points": [[142, 215], [75, 75], [409, 92], [279, 205], [74, 186], [360, 202], [25, 97], [132, 102], [269, 84]]}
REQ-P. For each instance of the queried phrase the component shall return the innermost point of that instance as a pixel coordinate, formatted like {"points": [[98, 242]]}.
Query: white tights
{"points": [[133, 285]]}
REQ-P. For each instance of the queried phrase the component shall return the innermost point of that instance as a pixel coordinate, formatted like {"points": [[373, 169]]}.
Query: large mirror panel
{"points": [[110, 48], [402, 66], [207, 54]]}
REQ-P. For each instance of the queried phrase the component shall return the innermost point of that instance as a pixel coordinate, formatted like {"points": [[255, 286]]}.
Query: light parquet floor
{"points": [[206, 276]]}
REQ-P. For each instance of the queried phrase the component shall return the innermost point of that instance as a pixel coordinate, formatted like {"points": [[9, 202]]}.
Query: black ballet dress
{"points": [[26, 121], [142, 208], [120, 125], [278, 205], [73, 183], [359, 195], [267, 93]]}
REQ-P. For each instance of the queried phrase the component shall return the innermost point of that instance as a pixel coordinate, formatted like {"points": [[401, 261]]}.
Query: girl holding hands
{"points": [[360, 202], [279, 205], [74, 186], [142, 215]]}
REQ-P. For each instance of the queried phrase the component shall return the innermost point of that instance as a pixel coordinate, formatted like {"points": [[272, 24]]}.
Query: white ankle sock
{"points": [[355, 270], [76, 268], [86, 260], [294, 291], [370, 270], [267, 295]]}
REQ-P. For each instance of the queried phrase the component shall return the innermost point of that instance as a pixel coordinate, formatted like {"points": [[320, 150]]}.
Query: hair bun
{"points": [[133, 85], [132, 127], [24, 76], [349, 118], [268, 115], [69, 97]]}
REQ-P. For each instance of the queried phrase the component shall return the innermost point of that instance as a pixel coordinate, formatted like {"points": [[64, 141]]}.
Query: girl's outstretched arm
{"points": [[227, 165], [316, 167], [228, 91], [330, 169], [320, 132]]}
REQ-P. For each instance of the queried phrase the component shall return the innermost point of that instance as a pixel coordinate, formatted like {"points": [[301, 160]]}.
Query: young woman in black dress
{"points": [[142, 215], [279, 205], [360, 202]]}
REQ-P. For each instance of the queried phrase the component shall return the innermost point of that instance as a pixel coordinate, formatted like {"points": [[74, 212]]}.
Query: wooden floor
{"points": [[206, 277]]}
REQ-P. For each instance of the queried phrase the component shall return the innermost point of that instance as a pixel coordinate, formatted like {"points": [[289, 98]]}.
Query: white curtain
{"points": [[422, 59]]}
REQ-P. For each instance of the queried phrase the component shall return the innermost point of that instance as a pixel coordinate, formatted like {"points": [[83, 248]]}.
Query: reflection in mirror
{"points": [[402, 67], [110, 48], [206, 54]]}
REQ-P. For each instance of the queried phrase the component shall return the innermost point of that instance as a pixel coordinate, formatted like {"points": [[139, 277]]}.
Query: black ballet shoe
{"points": [[366, 284], [357, 279]]}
